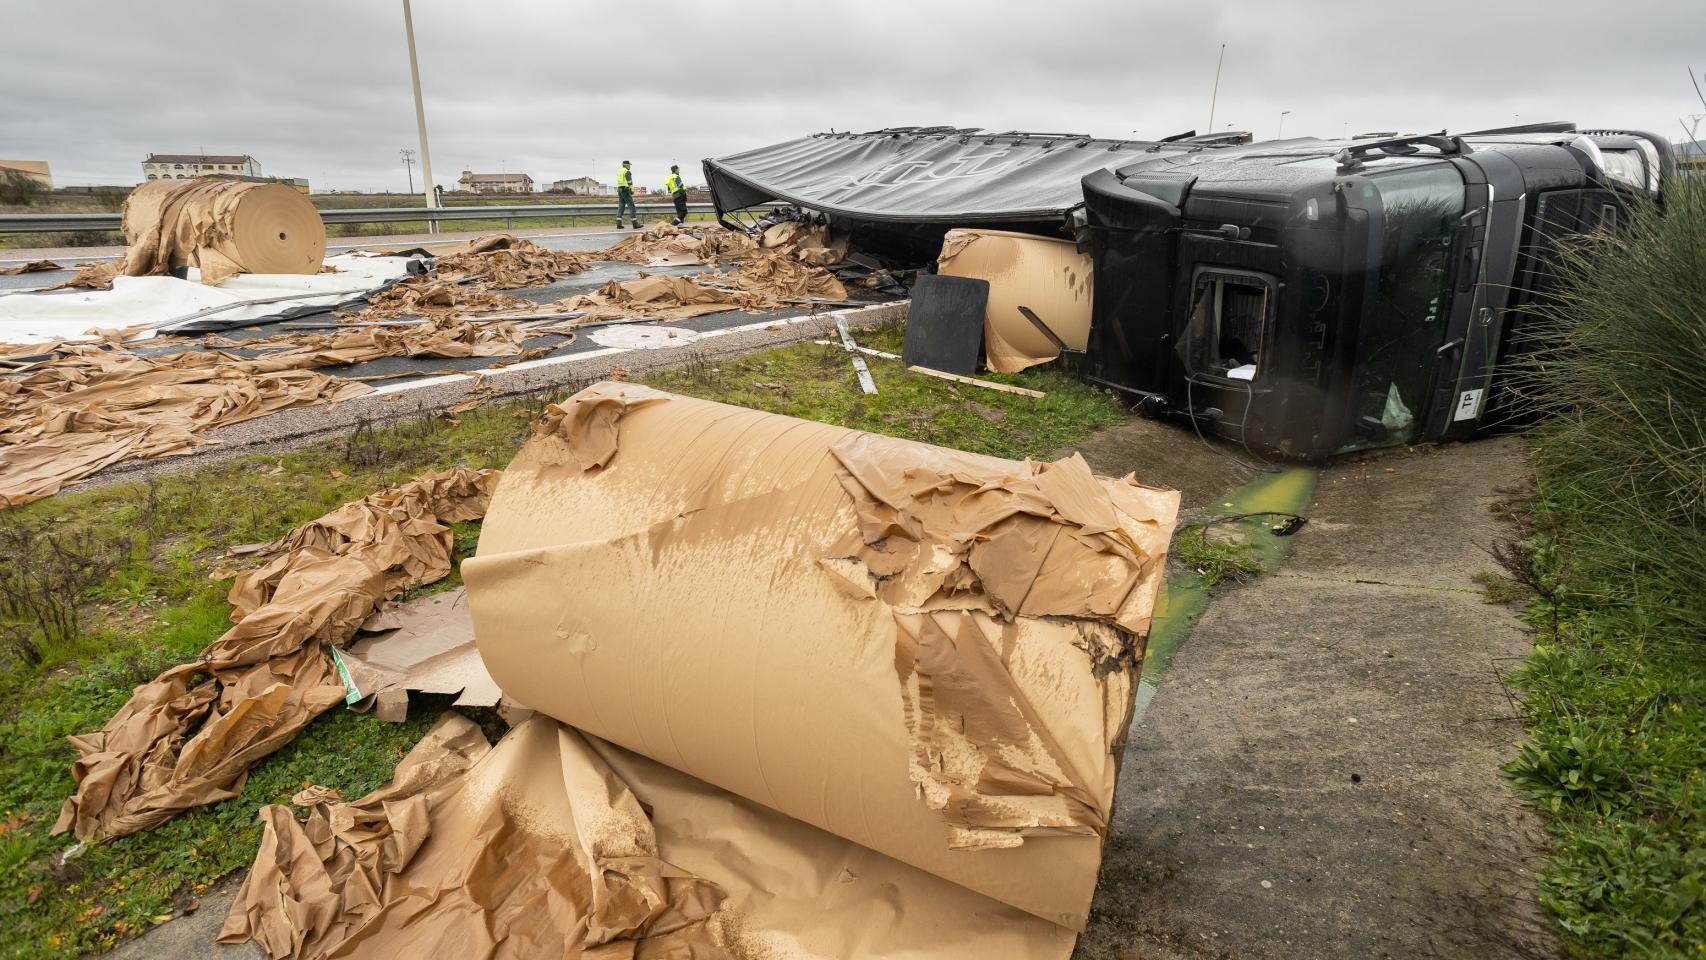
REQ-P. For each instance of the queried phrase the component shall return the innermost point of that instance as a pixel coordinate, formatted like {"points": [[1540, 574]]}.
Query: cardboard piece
{"points": [[928, 653], [944, 325], [1046, 275], [427, 646], [189, 737]]}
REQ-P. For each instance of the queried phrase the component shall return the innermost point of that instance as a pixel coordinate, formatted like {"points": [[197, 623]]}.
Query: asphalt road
{"points": [[427, 369]]}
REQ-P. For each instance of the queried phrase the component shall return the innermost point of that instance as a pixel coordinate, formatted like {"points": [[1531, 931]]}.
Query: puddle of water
{"points": [[1183, 596]]}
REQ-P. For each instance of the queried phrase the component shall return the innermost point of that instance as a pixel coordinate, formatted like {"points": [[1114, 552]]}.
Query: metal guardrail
{"points": [[509, 213]]}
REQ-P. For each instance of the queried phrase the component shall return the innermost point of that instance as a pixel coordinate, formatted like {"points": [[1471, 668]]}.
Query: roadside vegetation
{"points": [[1614, 552], [136, 559]]}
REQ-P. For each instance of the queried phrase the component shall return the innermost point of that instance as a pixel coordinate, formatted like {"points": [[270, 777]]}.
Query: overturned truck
{"points": [[1301, 297]]}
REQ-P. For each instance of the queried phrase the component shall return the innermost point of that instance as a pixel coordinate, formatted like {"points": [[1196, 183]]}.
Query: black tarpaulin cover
{"points": [[920, 175]]}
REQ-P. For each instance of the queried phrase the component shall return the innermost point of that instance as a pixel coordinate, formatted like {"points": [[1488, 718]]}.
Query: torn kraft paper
{"points": [[555, 843], [190, 736]]}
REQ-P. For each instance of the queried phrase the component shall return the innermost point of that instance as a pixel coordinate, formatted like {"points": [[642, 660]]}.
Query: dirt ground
{"points": [[1318, 775], [1166, 455]]}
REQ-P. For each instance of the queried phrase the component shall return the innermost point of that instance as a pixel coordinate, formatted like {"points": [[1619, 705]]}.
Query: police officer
{"points": [[678, 192], [625, 195]]}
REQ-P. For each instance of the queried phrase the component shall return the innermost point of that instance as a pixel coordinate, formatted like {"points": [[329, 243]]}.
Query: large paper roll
{"points": [[1049, 277], [222, 227], [926, 652]]}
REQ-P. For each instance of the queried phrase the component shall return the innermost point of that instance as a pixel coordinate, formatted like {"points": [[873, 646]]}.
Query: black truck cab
{"points": [[1314, 297]]}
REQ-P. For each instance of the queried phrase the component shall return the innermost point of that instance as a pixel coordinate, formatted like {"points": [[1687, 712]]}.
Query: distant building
{"points": [[188, 166], [34, 169], [494, 182], [582, 187], [1690, 157]]}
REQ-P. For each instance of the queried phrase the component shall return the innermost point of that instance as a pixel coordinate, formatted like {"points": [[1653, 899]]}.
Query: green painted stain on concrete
{"points": [[1183, 597]]}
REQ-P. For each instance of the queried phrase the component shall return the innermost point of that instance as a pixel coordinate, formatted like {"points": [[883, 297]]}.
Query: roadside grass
{"points": [[818, 383], [1615, 551], [156, 607], [1214, 559]]}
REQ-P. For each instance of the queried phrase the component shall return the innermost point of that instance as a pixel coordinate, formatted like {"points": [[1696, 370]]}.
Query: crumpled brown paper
{"points": [[73, 415], [430, 297], [189, 737], [95, 275], [654, 297], [465, 276], [221, 226], [556, 843], [532, 849], [92, 406], [929, 653], [775, 276], [33, 266], [667, 244]]}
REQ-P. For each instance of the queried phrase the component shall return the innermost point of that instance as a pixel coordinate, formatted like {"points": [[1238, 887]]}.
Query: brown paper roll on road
{"points": [[1049, 276], [929, 653], [222, 227]]}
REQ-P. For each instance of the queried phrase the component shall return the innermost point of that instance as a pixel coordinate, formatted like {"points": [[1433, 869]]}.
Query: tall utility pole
{"points": [[1280, 135], [1212, 97], [420, 120], [409, 165]]}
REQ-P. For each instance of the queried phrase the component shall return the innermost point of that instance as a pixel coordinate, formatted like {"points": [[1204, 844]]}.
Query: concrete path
{"points": [[1318, 775]]}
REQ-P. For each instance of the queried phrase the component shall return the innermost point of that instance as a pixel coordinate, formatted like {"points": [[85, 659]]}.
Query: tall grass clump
{"points": [[1615, 691]]}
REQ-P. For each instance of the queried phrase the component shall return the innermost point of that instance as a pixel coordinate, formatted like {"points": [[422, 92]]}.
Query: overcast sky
{"points": [[320, 89]]}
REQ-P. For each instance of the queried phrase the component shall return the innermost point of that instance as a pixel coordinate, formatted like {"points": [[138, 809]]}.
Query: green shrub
{"points": [[1615, 693]]}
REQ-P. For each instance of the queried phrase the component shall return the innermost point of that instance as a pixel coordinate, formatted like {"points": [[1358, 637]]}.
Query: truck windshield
{"points": [[1396, 348]]}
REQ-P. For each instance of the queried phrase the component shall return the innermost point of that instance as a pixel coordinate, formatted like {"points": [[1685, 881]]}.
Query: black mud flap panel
{"points": [[944, 326]]}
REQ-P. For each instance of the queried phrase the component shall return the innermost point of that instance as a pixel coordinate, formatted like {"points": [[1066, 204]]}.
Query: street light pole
{"points": [[1280, 135], [1213, 94], [420, 120]]}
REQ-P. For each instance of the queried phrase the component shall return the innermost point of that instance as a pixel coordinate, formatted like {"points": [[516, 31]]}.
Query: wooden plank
{"points": [[988, 384]]}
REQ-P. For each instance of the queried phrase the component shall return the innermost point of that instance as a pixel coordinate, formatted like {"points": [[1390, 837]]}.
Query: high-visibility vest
{"points": [[625, 178], [673, 184]]}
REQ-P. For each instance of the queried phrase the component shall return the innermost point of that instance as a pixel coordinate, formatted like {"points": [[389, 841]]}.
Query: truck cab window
{"points": [[1228, 320], [1421, 209]]}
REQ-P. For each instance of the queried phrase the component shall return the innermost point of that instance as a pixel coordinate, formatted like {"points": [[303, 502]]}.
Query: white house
{"points": [[188, 166], [494, 182], [582, 187]]}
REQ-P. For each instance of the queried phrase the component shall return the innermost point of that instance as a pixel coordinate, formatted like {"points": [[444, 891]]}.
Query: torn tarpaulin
{"points": [[849, 550], [190, 736], [938, 176]]}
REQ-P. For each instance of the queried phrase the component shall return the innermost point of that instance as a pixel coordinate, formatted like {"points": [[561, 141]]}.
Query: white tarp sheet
{"points": [[167, 303]]}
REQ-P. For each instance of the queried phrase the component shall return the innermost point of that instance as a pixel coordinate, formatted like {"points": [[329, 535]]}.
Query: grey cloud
{"points": [[320, 89]]}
